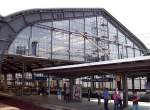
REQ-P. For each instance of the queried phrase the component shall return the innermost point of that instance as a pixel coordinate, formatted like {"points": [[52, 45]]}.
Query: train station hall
{"points": [[82, 51]]}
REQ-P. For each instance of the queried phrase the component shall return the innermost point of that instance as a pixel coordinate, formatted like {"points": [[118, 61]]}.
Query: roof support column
{"points": [[140, 82], [72, 82], [92, 83], [5, 81], [132, 83], [58, 82], [13, 78], [125, 90], [0, 69], [147, 83], [23, 78], [49, 85]]}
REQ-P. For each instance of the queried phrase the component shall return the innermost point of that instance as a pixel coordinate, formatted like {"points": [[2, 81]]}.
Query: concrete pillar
{"points": [[48, 85], [0, 70], [133, 83], [23, 78], [58, 83], [125, 90], [148, 78], [13, 78], [5, 78], [5, 81], [72, 82], [92, 83], [140, 83]]}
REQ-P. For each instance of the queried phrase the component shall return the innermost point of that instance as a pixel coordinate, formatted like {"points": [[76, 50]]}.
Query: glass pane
{"points": [[113, 51], [77, 47], [42, 37], [48, 24], [130, 52], [91, 51], [77, 25], [113, 42], [137, 53], [90, 26], [122, 45], [20, 44], [112, 33], [121, 38], [60, 45], [63, 25], [102, 28], [129, 43]]}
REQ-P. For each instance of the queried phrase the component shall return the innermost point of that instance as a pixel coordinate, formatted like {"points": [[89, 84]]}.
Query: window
{"points": [[60, 45], [77, 25]]}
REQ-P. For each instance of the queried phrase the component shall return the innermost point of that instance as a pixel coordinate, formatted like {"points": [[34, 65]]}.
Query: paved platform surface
{"points": [[7, 107], [12, 103], [52, 103]]}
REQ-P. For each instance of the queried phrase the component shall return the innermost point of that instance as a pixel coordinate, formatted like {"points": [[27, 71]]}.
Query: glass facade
{"points": [[88, 39], [66, 40]]}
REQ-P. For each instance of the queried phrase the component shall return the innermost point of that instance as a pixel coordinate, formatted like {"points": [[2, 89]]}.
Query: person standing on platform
{"points": [[117, 100], [89, 93], [64, 91], [59, 93], [135, 100], [67, 94], [120, 101], [106, 97], [100, 96]]}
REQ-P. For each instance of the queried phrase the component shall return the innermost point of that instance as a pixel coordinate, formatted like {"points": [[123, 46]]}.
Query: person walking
{"points": [[135, 100], [106, 97]]}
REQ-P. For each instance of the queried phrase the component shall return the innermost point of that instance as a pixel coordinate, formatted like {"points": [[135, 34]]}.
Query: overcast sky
{"points": [[134, 14]]}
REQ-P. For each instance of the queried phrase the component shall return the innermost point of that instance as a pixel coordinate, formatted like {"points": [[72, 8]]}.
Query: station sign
{"points": [[39, 78], [98, 80]]}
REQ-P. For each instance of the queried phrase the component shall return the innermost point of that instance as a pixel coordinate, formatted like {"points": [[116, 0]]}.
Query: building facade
{"points": [[83, 35]]}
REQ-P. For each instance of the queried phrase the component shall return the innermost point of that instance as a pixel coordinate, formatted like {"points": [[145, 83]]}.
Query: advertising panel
{"points": [[77, 93]]}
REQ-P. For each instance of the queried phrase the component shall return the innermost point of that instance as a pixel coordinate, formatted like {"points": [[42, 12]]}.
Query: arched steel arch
{"points": [[11, 25]]}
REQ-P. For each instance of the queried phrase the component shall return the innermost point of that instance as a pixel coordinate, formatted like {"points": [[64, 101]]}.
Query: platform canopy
{"points": [[14, 63], [138, 66]]}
